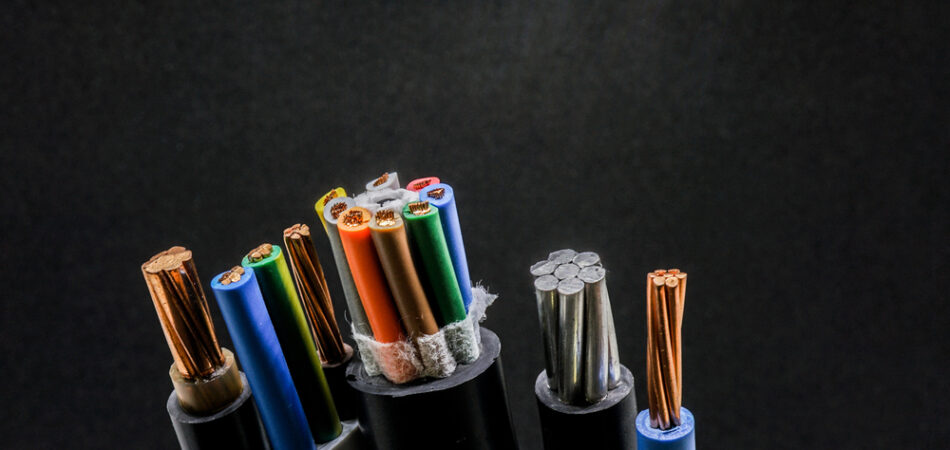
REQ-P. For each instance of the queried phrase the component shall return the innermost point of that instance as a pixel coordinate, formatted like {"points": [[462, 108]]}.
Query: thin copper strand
{"points": [[666, 293], [314, 295]]}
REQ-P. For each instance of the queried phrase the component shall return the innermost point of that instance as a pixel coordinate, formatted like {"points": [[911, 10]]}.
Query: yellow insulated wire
{"points": [[320, 204]]}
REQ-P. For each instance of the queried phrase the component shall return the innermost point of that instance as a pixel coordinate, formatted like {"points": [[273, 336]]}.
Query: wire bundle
{"points": [[580, 344], [666, 295], [402, 263], [414, 313]]}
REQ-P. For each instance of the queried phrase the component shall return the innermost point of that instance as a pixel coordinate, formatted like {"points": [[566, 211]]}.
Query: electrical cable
{"points": [[242, 305], [354, 305], [211, 405], [423, 222], [320, 205], [361, 255], [296, 339], [442, 196], [392, 245], [669, 425]]}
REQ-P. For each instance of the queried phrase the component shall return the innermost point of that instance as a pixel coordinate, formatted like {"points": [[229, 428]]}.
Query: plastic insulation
{"points": [[681, 437], [353, 303], [426, 230], [296, 340], [392, 245], [255, 342], [442, 196], [419, 183], [368, 275]]}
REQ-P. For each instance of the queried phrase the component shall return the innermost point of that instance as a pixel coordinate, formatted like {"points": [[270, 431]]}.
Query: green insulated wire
{"points": [[296, 341], [423, 222]]}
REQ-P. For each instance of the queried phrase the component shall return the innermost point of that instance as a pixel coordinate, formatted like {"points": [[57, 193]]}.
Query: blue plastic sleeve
{"points": [[259, 354], [682, 437], [448, 214]]}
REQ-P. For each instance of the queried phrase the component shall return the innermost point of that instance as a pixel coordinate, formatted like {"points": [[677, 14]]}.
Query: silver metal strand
{"points": [[565, 271], [571, 338], [546, 292], [595, 334], [586, 259], [613, 355], [562, 256], [541, 268]]}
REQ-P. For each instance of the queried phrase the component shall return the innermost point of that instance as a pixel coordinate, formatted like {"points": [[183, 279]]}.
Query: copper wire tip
{"points": [[385, 217], [337, 209], [330, 196], [297, 231], [436, 193], [183, 312], [232, 276], [382, 179], [419, 208], [418, 185], [260, 252], [353, 218]]}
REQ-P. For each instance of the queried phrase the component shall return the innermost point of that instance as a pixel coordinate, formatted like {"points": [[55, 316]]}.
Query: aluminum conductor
{"points": [[571, 340], [562, 256], [546, 293], [541, 268], [613, 355], [596, 347], [586, 259], [565, 271]]}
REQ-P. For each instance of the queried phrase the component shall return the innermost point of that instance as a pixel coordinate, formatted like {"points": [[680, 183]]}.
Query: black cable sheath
{"points": [[609, 423], [236, 427]]}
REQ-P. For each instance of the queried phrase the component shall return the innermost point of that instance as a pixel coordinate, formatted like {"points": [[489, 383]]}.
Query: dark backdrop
{"points": [[791, 158]]}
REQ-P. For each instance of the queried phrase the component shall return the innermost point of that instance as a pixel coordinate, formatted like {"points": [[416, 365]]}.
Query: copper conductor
{"points": [[385, 218], [436, 193], [330, 196], [418, 185], [666, 295], [298, 230], [419, 208], [382, 179], [353, 218], [183, 312], [260, 252], [337, 209], [232, 276], [314, 294]]}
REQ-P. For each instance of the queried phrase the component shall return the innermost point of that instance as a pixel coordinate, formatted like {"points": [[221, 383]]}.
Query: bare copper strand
{"points": [[260, 252], [419, 208], [314, 294], [666, 295], [437, 193], [232, 276], [338, 209], [353, 218], [385, 217], [382, 179], [183, 312]]}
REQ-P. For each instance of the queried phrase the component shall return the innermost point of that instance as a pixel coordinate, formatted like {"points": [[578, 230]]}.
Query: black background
{"points": [[791, 158]]}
